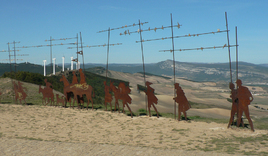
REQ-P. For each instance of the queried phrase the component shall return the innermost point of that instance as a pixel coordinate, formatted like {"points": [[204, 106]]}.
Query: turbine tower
{"points": [[54, 62], [63, 63], [44, 67], [72, 63]]}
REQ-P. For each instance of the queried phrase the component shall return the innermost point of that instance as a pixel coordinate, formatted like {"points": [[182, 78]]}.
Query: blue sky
{"points": [[33, 21]]}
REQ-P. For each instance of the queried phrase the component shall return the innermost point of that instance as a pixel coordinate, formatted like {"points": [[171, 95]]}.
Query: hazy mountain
{"points": [[249, 73]]}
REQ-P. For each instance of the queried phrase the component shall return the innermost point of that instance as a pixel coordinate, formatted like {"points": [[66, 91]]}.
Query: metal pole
{"points": [[143, 64], [77, 51], [11, 71], [15, 58], [9, 58], [228, 47], [236, 53], [173, 65], [51, 55], [108, 52], [82, 50]]}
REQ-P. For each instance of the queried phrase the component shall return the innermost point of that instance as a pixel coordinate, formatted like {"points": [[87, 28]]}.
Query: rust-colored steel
{"points": [[116, 95], [60, 100], [234, 104], [124, 91], [182, 101], [77, 89], [108, 96], [152, 99], [47, 93], [244, 98], [19, 91]]}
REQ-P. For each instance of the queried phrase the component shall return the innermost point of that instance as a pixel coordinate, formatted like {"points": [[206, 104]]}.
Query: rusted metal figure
{"points": [[47, 93], [75, 81], [108, 96], [234, 104], [124, 91], [152, 99], [244, 98], [116, 95], [182, 101], [78, 90], [60, 100], [19, 91], [82, 77]]}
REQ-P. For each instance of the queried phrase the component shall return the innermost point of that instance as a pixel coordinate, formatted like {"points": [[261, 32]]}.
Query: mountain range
{"points": [[249, 73]]}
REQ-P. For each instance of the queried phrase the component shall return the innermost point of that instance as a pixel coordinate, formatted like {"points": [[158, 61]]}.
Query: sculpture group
{"points": [[241, 97]]}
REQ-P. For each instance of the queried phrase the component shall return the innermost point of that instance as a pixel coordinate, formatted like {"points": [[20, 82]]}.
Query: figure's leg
{"points": [[241, 119], [91, 103], [240, 112], [123, 107], [149, 106], [111, 106], [232, 117], [249, 119], [115, 106], [129, 110], [156, 111], [179, 115], [185, 115]]}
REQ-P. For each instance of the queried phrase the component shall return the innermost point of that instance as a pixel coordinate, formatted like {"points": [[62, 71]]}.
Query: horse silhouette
{"points": [[19, 91], [60, 100], [47, 94], [78, 90]]}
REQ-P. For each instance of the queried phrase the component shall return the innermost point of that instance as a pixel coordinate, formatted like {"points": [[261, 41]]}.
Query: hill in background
{"points": [[199, 72]]}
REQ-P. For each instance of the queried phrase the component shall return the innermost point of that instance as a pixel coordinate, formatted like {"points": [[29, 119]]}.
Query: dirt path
{"points": [[36, 130]]}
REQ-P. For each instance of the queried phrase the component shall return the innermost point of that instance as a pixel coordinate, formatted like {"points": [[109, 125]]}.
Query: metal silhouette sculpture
{"points": [[126, 99], [108, 97], [152, 99], [60, 100], [75, 80], [82, 77], [182, 101], [47, 93], [244, 98], [234, 104], [78, 90], [116, 95], [19, 91]]}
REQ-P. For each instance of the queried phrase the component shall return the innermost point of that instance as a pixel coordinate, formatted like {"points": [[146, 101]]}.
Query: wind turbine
{"points": [[72, 63], [44, 67], [63, 63], [54, 62]]}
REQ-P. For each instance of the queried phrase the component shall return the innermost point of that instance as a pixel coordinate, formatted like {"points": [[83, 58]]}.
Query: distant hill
{"points": [[249, 73], [34, 68]]}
